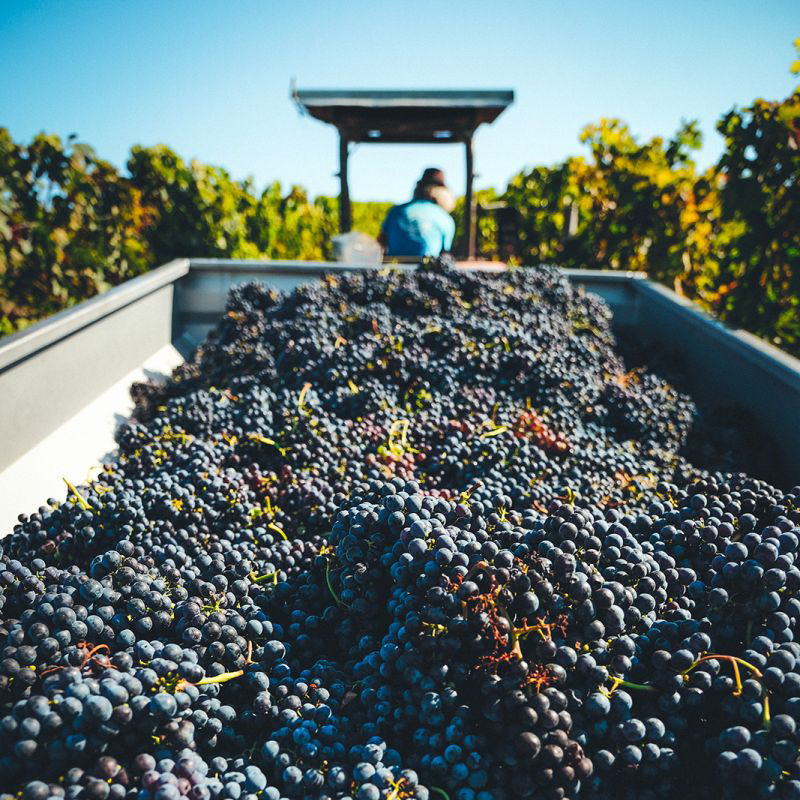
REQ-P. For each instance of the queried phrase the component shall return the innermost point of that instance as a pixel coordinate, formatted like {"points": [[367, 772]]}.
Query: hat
{"points": [[432, 177]]}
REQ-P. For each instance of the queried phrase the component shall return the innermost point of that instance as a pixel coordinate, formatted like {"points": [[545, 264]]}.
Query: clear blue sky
{"points": [[211, 79]]}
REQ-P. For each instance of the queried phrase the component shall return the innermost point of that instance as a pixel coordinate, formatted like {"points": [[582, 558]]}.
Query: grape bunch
{"points": [[407, 534]]}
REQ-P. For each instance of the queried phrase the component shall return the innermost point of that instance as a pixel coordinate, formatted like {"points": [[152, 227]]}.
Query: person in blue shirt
{"points": [[423, 226]]}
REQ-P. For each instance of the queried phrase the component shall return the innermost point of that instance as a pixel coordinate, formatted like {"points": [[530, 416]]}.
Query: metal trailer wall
{"points": [[54, 368], [728, 368], [58, 367], [733, 370]]}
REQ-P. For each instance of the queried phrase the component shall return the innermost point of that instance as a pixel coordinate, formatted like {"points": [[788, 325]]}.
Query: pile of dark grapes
{"points": [[405, 534]]}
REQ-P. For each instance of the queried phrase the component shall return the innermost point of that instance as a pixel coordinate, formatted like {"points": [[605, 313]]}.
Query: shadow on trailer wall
{"points": [[64, 381]]}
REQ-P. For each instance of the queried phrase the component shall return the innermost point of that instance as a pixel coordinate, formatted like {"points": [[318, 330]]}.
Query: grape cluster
{"points": [[403, 535]]}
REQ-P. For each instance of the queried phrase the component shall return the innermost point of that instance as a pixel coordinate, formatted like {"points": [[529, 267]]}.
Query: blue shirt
{"points": [[419, 228]]}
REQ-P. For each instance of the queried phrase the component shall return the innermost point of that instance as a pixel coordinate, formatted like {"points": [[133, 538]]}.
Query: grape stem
{"points": [[641, 687], [223, 678], [259, 578], [300, 400], [209, 679], [496, 432], [81, 499], [330, 586], [735, 662], [273, 527]]}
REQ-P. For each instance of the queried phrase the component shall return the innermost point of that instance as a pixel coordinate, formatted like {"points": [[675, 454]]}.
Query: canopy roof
{"points": [[404, 116]]}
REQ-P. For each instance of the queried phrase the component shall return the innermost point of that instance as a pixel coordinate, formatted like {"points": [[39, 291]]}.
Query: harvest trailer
{"points": [[64, 382]]}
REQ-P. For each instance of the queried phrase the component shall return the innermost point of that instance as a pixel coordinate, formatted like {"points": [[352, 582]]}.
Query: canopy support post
{"points": [[469, 204], [345, 216]]}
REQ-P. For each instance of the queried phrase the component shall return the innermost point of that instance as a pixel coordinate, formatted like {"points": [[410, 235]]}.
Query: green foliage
{"points": [[72, 226], [758, 286], [628, 206], [368, 217], [196, 209], [486, 238], [199, 210], [728, 237]]}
